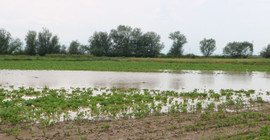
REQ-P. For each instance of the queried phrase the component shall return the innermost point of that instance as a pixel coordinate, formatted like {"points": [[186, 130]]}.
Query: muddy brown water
{"points": [[187, 80]]}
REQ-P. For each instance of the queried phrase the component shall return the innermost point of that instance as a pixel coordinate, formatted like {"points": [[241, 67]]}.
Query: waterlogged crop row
{"points": [[51, 105]]}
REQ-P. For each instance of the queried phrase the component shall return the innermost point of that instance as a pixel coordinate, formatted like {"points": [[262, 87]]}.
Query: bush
{"points": [[238, 49], [266, 52]]}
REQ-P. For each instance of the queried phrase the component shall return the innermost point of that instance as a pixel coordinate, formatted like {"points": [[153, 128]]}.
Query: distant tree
{"points": [[84, 49], [15, 46], [266, 52], [151, 45], [5, 39], [238, 49], [31, 43], [125, 41], [178, 42], [100, 44], [120, 37], [54, 46], [8, 45], [44, 38], [63, 49], [136, 40], [207, 46], [47, 43], [74, 47]]}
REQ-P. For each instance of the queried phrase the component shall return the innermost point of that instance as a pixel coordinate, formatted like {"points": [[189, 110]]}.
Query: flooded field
{"points": [[187, 80], [137, 105]]}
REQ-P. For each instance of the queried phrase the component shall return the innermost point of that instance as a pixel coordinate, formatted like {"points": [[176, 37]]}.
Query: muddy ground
{"points": [[208, 125]]}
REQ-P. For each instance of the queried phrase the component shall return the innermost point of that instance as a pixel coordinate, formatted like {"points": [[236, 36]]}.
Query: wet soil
{"points": [[166, 126]]}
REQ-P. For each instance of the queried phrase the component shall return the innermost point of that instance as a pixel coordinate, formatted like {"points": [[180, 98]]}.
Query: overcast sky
{"points": [[222, 20]]}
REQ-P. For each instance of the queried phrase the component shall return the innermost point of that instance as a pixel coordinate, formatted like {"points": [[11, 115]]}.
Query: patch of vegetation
{"points": [[131, 64], [47, 107]]}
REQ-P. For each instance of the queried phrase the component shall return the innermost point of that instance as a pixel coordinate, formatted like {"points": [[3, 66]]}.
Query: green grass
{"points": [[125, 66], [131, 64], [262, 134]]}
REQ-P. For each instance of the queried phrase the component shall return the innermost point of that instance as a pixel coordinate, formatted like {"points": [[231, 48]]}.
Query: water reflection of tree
{"points": [[239, 76], [207, 78]]}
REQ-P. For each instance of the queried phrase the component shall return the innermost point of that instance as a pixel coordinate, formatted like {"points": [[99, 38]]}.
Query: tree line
{"points": [[122, 41]]}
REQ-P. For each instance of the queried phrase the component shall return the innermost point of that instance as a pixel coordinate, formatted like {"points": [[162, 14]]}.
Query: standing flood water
{"points": [[188, 80]]}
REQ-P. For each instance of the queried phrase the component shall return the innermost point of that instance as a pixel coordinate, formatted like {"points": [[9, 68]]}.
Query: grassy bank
{"points": [[131, 64]]}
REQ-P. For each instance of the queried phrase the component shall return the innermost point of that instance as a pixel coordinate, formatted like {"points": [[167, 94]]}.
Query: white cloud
{"points": [[45, 11], [2, 22], [200, 2]]}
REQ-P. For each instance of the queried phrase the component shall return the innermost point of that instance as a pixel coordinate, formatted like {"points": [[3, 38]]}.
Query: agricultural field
{"points": [[101, 113], [133, 70], [116, 109], [131, 64]]}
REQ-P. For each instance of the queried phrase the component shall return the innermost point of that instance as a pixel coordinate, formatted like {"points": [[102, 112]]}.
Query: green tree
{"points": [[178, 42], [84, 49], [266, 52], [63, 49], [44, 38], [31, 43], [125, 41], [151, 45], [15, 46], [54, 46], [136, 41], [238, 49], [47, 43], [121, 41], [74, 47], [5, 39], [100, 44], [207, 46]]}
